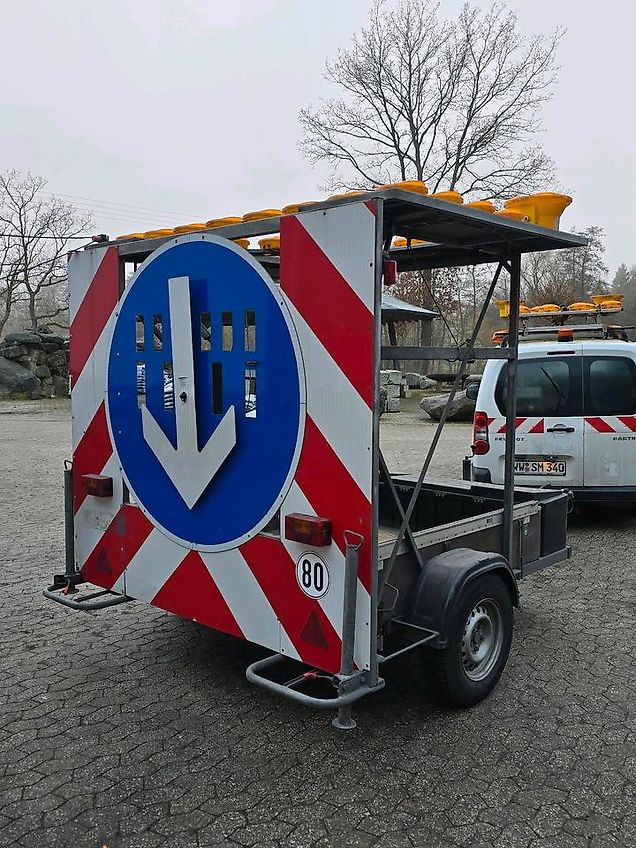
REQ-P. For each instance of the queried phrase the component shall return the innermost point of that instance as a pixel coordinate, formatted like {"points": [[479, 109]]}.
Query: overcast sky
{"points": [[190, 107]]}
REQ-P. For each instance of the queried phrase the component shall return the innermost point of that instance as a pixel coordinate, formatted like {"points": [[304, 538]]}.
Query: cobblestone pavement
{"points": [[132, 728]]}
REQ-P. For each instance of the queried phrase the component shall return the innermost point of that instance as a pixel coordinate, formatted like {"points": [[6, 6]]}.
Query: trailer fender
{"points": [[442, 581]]}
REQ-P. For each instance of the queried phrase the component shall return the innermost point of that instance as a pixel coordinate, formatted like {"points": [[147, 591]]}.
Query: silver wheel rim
{"points": [[482, 640]]}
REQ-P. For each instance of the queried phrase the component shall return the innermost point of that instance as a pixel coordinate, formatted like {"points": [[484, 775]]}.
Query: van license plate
{"points": [[555, 468]]}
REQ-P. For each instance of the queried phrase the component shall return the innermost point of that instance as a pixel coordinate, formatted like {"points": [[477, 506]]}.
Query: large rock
{"points": [[462, 408], [24, 338], [426, 382], [16, 381], [58, 362]]}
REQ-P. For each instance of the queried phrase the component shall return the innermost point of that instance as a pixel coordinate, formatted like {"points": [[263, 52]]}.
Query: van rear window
{"points": [[610, 386], [544, 387]]}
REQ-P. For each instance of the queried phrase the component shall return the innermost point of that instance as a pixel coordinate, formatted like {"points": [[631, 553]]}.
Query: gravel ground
{"points": [[131, 728]]}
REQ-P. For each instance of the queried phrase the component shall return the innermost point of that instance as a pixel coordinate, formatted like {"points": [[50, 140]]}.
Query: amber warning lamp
{"points": [[565, 334], [308, 529]]}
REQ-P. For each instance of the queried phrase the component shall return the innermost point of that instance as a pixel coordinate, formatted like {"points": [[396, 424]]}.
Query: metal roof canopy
{"points": [[458, 235], [394, 309]]}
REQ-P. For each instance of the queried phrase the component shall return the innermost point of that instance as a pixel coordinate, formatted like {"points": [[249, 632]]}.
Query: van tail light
{"points": [[481, 442], [308, 529]]}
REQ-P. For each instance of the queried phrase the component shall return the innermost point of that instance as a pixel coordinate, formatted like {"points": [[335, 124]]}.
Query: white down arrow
{"points": [[189, 469]]}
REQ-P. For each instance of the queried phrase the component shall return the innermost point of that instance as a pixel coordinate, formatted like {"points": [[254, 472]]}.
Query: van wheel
{"points": [[479, 639]]}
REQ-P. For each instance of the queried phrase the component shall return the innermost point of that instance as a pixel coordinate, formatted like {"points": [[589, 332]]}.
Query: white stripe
{"points": [[331, 603], [153, 564], [96, 514], [335, 406], [247, 601], [82, 267], [90, 389], [346, 235]]}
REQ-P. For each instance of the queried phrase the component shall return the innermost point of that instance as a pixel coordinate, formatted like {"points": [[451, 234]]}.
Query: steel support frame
{"points": [[514, 271]]}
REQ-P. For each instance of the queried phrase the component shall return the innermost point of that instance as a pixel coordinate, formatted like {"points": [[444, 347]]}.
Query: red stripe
{"points": [[332, 492], [518, 423], [191, 592], [600, 425], [329, 305], [629, 421], [538, 427], [94, 311], [372, 205], [275, 572], [126, 533], [91, 455]]}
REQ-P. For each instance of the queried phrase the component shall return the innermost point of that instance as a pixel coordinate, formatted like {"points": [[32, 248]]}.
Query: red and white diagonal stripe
{"points": [[327, 277]]}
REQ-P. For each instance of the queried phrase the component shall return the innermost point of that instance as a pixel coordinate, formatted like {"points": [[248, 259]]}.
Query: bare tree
{"points": [[36, 233], [456, 104], [565, 276]]}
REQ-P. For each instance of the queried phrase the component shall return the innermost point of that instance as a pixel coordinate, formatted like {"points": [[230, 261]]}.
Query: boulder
{"points": [[393, 404], [426, 382], [42, 372], [24, 338], [58, 362], [393, 378], [14, 351], [462, 408], [51, 339], [16, 380], [413, 381], [60, 387], [473, 378]]}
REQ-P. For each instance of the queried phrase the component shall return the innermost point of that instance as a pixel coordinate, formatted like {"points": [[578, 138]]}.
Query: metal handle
{"points": [[560, 428]]}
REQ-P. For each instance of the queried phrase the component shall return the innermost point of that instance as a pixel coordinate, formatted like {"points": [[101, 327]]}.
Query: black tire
{"points": [[457, 674]]}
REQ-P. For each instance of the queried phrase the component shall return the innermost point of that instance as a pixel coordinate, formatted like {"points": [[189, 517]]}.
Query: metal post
{"points": [[69, 532], [511, 412], [353, 542]]}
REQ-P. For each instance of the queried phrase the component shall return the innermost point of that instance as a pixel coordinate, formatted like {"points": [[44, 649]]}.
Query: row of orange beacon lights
{"points": [[543, 209]]}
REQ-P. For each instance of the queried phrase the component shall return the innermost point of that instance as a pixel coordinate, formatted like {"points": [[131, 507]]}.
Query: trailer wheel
{"points": [[479, 639]]}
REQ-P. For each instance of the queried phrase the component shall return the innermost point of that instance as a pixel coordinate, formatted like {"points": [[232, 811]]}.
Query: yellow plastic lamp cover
{"points": [[449, 196], [612, 304], [482, 205], [407, 185], [581, 306], [260, 214], [604, 299], [546, 307], [222, 222], [130, 236], [504, 308], [271, 243], [189, 228], [513, 214], [544, 208], [346, 194], [245, 243], [293, 208], [157, 234], [402, 242]]}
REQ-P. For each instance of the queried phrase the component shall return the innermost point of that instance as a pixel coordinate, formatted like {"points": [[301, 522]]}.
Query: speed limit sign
{"points": [[312, 575]]}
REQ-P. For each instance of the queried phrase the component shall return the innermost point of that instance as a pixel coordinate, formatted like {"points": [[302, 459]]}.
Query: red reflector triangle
{"points": [[313, 633]]}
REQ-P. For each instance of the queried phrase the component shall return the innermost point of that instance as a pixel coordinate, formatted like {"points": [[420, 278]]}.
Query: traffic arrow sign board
{"points": [[205, 395]]}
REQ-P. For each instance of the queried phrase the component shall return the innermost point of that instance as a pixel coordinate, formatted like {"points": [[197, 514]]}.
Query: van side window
{"points": [[544, 387], [610, 386]]}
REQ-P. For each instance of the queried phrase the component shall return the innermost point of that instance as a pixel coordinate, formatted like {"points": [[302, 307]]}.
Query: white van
{"points": [[576, 419]]}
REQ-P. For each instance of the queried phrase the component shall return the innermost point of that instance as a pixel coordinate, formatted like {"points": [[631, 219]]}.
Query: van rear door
{"points": [[609, 380], [549, 431]]}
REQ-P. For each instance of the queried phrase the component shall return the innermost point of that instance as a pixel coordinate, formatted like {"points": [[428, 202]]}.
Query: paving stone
{"points": [[133, 729]]}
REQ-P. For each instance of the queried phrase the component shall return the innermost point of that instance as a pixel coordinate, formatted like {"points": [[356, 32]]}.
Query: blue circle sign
{"points": [[205, 394]]}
